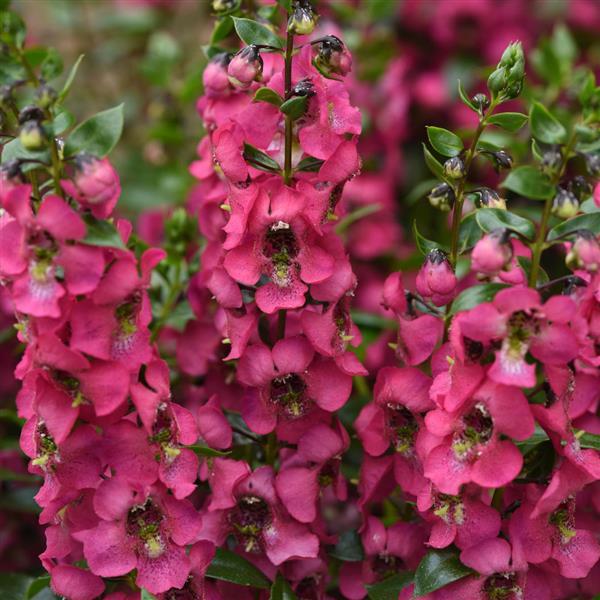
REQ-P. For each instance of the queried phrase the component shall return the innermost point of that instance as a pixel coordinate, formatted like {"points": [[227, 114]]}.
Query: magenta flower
{"points": [[246, 505], [288, 383], [436, 279], [143, 530]]}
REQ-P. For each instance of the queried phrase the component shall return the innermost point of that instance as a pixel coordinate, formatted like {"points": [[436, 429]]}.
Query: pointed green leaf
{"points": [[223, 28], [423, 244], [465, 98], [469, 232], [445, 142], [497, 218], [349, 547], [70, 78], [433, 164], [310, 164], [390, 588], [545, 126], [146, 595], [259, 160], [251, 32], [102, 233], [14, 586], [590, 440], [98, 135], [527, 181], [294, 107], [228, 566], [37, 585], [201, 450], [589, 221], [437, 569], [52, 66], [281, 590], [511, 121], [476, 295], [266, 94]]}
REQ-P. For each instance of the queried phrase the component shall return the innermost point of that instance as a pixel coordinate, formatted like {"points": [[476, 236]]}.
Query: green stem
{"points": [[460, 189], [289, 123], [169, 304], [540, 240]]}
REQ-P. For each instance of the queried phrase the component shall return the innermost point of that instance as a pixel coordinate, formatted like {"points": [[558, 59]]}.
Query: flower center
{"points": [[72, 386], [385, 565], [124, 336], [502, 586], [564, 521], [478, 428], [280, 247], [249, 518], [144, 524], [403, 427], [449, 508], [288, 394], [164, 434], [46, 448]]}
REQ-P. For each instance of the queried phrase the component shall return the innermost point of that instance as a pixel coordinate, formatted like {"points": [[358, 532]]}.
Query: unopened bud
{"points": [[551, 161], [332, 56], [245, 67], [565, 205], [436, 278], [224, 6], [454, 168], [304, 88], [46, 95], [31, 113], [489, 198], [502, 159], [480, 101], [507, 79], [580, 187], [572, 284], [32, 136], [585, 252], [492, 253], [442, 197], [303, 19], [592, 163], [215, 78]]}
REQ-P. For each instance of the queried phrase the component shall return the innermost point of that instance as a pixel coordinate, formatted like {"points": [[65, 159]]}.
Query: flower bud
{"points": [[580, 187], [31, 113], [304, 88], [442, 197], [592, 163], [489, 198], [454, 168], [502, 160], [215, 78], [436, 278], [585, 252], [95, 184], [303, 19], [507, 79], [46, 95], [492, 253], [332, 56], [224, 6], [480, 101], [565, 205], [32, 136], [551, 161], [245, 67], [572, 284]]}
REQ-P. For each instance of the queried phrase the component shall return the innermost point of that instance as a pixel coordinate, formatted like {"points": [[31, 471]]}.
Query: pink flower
{"points": [[597, 195], [245, 67], [246, 505], [491, 254], [143, 530], [287, 383], [95, 185], [75, 583], [520, 323], [215, 79]]}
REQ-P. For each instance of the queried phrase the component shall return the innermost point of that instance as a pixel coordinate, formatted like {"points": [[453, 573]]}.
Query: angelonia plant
{"points": [[199, 415]]}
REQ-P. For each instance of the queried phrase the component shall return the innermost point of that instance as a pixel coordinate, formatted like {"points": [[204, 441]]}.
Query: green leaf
{"points": [[476, 295], [349, 547], [259, 160], [423, 244], [102, 233], [222, 29], [589, 206], [70, 79], [469, 232], [590, 440], [281, 590], [98, 135], [590, 221], [390, 588], [266, 94], [356, 215], [228, 566], [525, 264], [445, 142], [14, 149], [539, 436], [310, 164], [511, 121], [146, 595], [465, 98], [497, 218], [433, 164], [251, 32], [37, 585], [545, 126], [52, 66], [180, 316], [527, 181], [437, 569], [62, 122], [14, 586], [201, 450], [294, 107]]}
